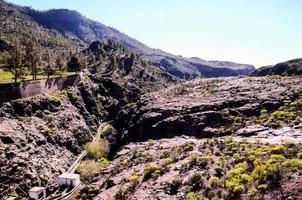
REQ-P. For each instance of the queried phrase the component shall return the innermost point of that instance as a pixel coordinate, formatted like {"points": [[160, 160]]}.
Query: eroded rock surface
{"points": [[210, 107]]}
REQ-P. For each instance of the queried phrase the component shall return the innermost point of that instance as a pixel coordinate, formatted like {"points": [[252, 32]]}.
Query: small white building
{"points": [[37, 193], [69, 180]]}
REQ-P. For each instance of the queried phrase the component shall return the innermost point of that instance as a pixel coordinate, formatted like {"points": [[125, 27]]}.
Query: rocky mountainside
{"points": [[222, 138], [288, 68], [250, 146], [41, 136], [61, 29], [111, 61], [210, 107], [16, 23]]}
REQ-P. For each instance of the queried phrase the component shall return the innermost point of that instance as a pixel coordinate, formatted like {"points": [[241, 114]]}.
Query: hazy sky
{"points": [[259, 32]]}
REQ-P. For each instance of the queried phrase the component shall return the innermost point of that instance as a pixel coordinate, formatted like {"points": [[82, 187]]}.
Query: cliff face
{"points": [[41, 136]]}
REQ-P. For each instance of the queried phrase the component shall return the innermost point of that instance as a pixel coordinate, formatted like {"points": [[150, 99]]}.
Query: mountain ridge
{"points": [[288, 68], [73, 25]]}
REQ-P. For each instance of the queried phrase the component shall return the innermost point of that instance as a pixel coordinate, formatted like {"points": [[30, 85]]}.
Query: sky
{"points": [[258, 32]]}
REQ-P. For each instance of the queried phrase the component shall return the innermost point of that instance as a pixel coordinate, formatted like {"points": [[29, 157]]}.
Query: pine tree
{"points": [[33, 58], [49, 70], [74, 64], [60, 63], [15, 61]]}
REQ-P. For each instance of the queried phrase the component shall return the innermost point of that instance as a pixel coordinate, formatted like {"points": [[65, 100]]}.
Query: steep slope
{"points": [[112, 61], [288, 68], [76, 28], [41, 136], [15, 23], [246, 143]]}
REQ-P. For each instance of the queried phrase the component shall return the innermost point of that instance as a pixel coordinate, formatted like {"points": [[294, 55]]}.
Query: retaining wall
{"points": [[9, 92]]}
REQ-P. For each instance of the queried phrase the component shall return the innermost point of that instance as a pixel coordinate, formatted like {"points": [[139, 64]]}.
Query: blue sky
{"points": [[259, 32]]}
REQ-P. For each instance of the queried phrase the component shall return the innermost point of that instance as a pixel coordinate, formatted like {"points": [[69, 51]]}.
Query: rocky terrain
{"points": [[154, 135], [189, 168], [62, 30], [40, 137], [289, 68], [249, 127], [213, 107]]}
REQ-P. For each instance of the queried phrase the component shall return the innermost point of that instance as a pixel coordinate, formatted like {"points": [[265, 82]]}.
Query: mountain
{"points": [[289, 68], [112, 62], [61, 28]]}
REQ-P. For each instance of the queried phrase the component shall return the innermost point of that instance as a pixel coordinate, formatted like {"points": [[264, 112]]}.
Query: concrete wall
{"points": [[10, 92]]}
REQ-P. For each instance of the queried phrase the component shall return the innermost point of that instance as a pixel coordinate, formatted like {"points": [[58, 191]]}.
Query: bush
{"points": [[88, 168], [134, 178], [236, 178], [293, 163], [278, 149], [282, 115], [267, 173], [275, 158], [152, 170], [194, 196], [195, 181], [104, 131], [173, 186], [97, 150], [40, 114], [214, 181]]}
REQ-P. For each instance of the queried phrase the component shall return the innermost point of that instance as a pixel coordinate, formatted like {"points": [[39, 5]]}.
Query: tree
{"points": [[15, 60], [74, 64], [33, 58], [60, 63], [49, 69]]}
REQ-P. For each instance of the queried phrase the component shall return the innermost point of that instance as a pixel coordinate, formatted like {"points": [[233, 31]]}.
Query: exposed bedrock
{"points": [[205, 107]]}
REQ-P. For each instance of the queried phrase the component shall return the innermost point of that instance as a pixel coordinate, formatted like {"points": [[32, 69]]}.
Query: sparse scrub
{"points": [[152, 170], [88, 168], [97, 150]]}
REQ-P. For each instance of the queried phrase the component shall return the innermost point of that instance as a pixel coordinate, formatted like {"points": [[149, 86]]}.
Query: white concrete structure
{"points": [[69, 180], [37, 193]]}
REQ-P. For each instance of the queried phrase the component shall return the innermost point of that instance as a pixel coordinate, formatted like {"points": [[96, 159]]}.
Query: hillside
{"points": [[288, 68], [62, 28], [149, 146]]}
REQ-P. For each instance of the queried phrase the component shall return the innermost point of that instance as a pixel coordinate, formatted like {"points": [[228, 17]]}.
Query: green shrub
{"points": [[22, 119], [88, 168], [266, 172], [49, 118], [278, 149], [134, 178], [194, 196], [293, 163], [152, 170], [40, 114], [300, 155], [236, 178], [214, 181], [275, 158], [167, 161], [97, 150], [282, 115]]}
